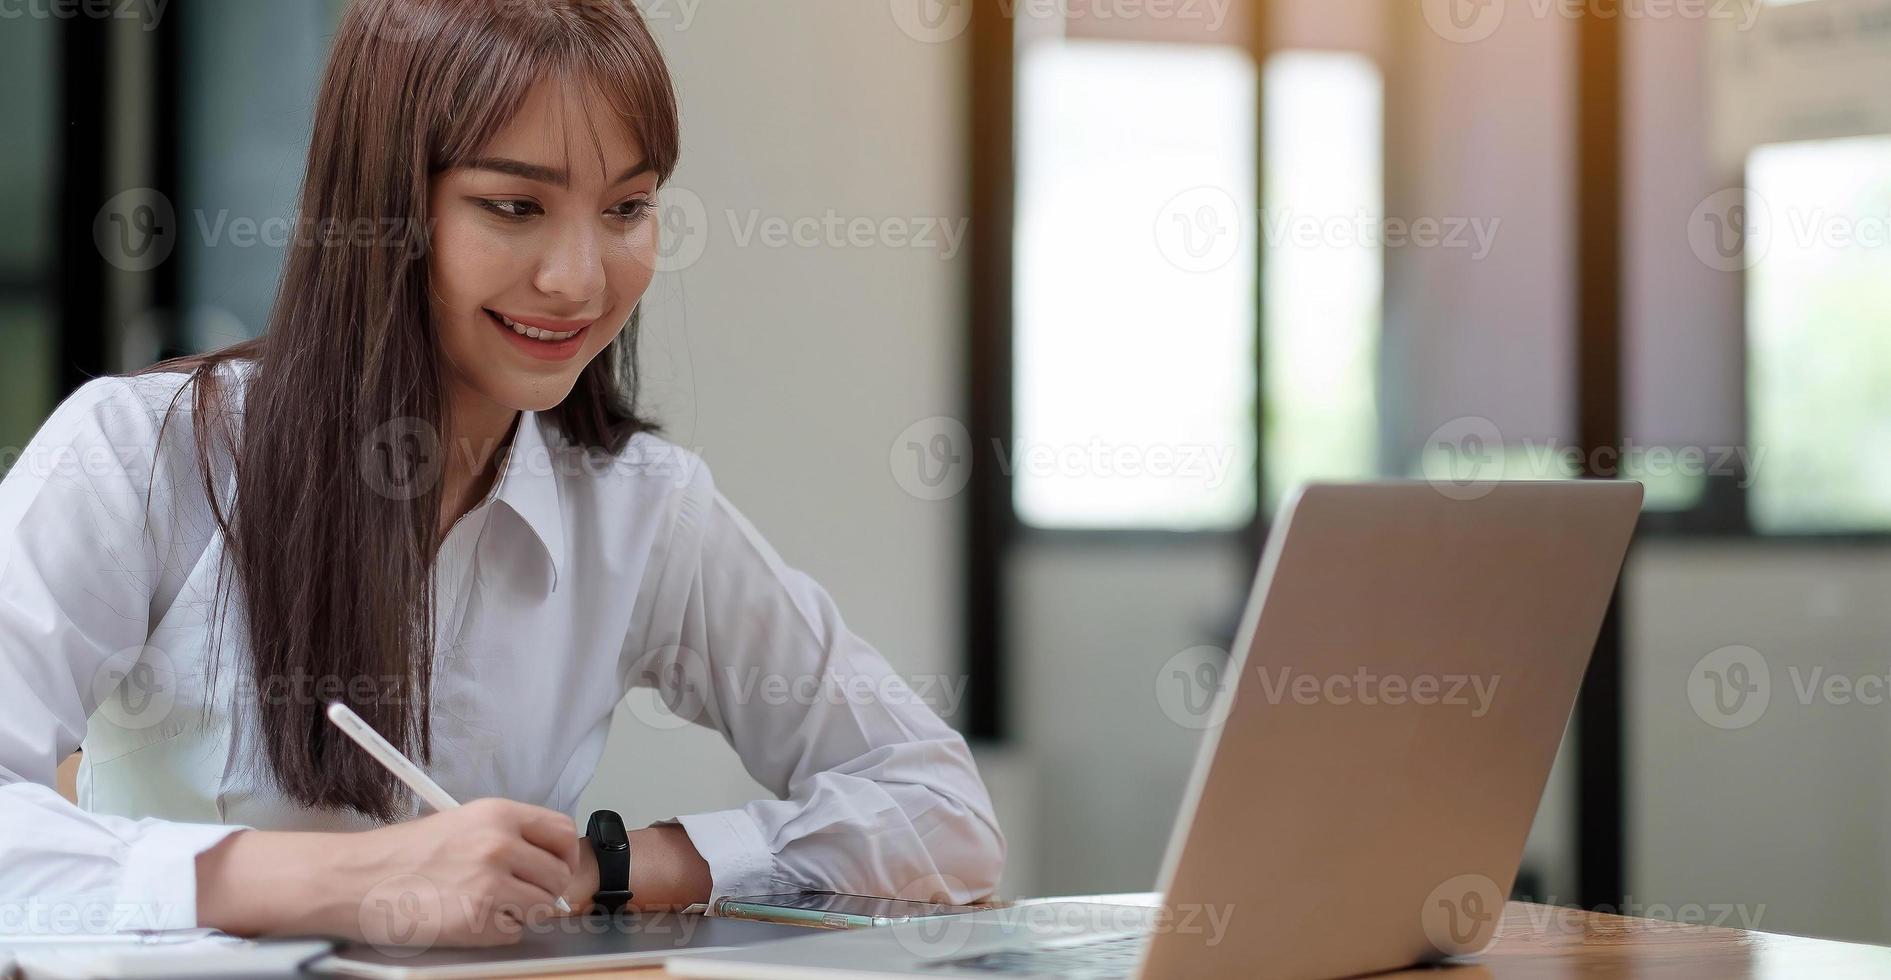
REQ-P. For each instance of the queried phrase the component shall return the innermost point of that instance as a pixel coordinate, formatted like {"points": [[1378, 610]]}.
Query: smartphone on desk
{"points": [[833, 910]]}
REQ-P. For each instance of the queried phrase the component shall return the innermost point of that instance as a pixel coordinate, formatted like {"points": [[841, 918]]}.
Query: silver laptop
{"points": [[1380, 741]]}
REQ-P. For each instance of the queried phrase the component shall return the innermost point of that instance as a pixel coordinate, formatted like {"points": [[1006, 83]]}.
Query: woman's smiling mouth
{"points": [[545, 339]]}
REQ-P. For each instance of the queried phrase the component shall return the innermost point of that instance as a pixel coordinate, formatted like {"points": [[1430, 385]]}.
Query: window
{"points": [[1323, 227], [1134, 383], [29, 58], [1819, 335], [1136, 254]]}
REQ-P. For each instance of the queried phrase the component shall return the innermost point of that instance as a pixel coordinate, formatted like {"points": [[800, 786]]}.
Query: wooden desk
{"points": [[1542, 943]]}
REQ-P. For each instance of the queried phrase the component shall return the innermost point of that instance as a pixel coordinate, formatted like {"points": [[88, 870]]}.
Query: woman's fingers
{"points": [[539, 868], [554, 833]]}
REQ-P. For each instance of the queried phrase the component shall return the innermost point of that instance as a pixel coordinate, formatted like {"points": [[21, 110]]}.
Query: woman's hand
{"points": [[584, 882], [474, 876]]}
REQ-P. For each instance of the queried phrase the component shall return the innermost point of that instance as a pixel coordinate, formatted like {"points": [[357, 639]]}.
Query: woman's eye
{"points": [[510, 209], [632, 210]]}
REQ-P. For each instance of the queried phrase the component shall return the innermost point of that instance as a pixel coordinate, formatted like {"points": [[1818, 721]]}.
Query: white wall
{"points": [[1786, 819], [1094, 625]]}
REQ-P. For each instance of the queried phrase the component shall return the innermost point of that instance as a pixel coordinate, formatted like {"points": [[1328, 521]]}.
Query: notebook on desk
{"points": [[563, 945], [198, 954]]}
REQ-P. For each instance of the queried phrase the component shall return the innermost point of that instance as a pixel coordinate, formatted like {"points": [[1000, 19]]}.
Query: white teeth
{"points": [[534, 332]]}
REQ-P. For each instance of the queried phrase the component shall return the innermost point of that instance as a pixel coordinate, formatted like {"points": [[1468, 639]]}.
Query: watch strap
{"points": [[611, 844]]}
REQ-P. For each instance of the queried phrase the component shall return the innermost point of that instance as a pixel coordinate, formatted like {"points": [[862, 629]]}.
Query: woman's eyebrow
{"points": [[542, 174]]}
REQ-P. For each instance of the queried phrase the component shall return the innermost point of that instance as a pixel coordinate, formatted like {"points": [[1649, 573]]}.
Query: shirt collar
{"points": [[528, 483]]}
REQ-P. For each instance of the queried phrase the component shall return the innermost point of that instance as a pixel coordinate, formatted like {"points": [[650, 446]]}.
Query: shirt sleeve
{"points": [[78, 559], [875, 793]]}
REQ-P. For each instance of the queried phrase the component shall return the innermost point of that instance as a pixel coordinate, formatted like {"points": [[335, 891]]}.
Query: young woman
{"points": [[425, 493]]}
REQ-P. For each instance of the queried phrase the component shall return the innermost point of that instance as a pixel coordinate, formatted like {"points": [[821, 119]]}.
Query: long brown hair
{"points": [[336, 570]]}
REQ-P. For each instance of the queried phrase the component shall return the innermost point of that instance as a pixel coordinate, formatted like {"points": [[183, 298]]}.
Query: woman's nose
{"points": [[573, 267]]}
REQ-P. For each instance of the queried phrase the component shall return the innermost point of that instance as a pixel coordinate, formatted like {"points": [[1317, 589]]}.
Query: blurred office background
{"points": [[1174, 256]]}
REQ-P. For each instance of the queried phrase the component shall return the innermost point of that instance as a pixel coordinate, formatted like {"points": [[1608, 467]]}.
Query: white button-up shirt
{"points": [[576, 579]]}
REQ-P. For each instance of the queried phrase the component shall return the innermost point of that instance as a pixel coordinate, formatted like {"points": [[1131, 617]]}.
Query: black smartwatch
{"points": [[611, 843]]}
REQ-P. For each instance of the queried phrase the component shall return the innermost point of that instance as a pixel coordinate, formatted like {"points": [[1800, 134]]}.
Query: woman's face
{"points": [[535, 233]]}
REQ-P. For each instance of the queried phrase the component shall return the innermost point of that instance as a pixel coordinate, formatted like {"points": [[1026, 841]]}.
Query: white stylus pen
{"points": [[390, 757]]}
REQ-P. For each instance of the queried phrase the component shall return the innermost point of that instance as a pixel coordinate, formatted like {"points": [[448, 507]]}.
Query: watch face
{"points": [[607, 829]]}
